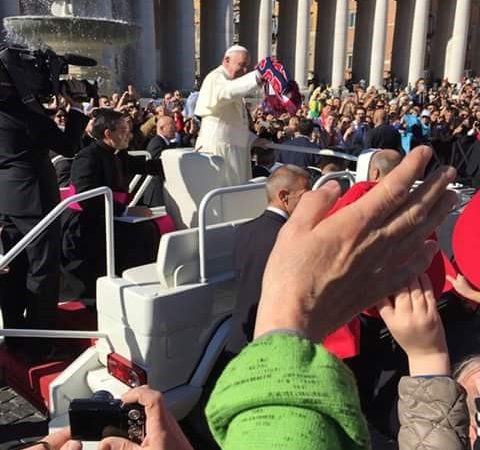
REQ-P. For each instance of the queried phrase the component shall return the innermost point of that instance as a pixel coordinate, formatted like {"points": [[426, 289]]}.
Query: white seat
{"points": [[160, 316], [190, 175], [178, 261]]}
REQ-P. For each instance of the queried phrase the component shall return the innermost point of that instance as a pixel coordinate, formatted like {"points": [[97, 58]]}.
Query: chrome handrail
{"points": [[202, 210], [33, 234]]}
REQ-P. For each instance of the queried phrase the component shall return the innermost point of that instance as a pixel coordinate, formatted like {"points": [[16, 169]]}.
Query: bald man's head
{"points": [[166, 127], [382, 163], [379, 117], [286, 185]]}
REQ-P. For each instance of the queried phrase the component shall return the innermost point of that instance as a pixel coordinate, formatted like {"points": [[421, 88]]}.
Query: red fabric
{"points": [[119, 197], [346, 340], [165, 224], [33, 381], [466, 241]]}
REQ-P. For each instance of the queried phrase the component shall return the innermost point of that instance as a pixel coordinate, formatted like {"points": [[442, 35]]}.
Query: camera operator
{"points": [[29, 292]]}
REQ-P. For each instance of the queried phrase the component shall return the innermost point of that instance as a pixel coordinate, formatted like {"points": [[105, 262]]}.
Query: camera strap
{"points": [[12, 67]]}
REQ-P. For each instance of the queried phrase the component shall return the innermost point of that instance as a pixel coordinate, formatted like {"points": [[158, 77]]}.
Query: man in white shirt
{"points": [[225, 123]]}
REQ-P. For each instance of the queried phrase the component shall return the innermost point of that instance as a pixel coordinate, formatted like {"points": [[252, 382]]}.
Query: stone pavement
{"points": [[20, 422]]}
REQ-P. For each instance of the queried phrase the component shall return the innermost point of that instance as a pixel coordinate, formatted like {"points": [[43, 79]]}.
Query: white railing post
{"points": [[202, 213]]}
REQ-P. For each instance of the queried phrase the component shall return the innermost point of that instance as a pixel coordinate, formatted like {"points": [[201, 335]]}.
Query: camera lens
{"points": [[103, 396]]}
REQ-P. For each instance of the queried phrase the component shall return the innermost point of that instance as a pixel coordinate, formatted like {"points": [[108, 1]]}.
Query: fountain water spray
{"points": [[69, 30]]}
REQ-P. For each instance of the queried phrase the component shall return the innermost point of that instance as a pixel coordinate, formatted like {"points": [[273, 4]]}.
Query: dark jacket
{"points": [[153, 195], [384, 136], [27, 178], [98, 165], [253, 244], [296, 158]]}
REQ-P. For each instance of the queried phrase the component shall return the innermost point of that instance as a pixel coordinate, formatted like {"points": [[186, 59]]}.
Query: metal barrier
{"points": [[40, 228], [334, 176], [202, 213]]}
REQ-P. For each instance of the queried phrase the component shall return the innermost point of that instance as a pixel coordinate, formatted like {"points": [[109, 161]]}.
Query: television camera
{"points": [[35, 76]]}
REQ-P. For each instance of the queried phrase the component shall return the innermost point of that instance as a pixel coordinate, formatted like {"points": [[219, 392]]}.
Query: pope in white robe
{"points": [[225, 125]]}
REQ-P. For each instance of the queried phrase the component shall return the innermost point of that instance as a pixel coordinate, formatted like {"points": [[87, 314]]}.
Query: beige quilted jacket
{"points": [[433, 414]]}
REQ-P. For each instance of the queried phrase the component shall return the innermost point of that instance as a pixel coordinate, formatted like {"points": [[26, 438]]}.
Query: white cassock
{"points": [[224, 130]]}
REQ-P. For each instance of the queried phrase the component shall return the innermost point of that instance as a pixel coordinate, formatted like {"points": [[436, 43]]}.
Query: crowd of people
{"points": [[312, 267]]}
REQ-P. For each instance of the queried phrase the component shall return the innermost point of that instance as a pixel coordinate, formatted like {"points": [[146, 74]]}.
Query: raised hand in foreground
{"points": [[412, 318], [321, 273]]}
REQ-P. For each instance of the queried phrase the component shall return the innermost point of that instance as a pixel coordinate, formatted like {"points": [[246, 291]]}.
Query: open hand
{"points": [[323, 272]]}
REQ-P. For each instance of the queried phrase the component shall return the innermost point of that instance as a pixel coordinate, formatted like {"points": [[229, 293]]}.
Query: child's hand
{"points": [[413, 320], [464, 288]]}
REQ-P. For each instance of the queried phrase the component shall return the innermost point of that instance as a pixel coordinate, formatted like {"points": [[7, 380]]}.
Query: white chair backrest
{"points": [[189, 175], [178, 254]]}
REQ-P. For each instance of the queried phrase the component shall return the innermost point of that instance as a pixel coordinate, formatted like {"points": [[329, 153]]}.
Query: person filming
{"points": [[29, 289]]}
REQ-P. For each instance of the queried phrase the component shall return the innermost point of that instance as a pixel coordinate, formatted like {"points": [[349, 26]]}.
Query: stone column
{"points": [[363, 39], [402, 39], [9, 8], [301, 42], [340, 44], [378, 43], [265, 29], [323, 49], [248, 32], [216, 32], [418, 40], [184, 46], [286, 32], [457, 45], [145, 51]]}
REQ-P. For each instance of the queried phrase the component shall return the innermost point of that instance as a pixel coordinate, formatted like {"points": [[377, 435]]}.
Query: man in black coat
{"points": [[29, 190], [383, 135], [254, 242], [301, 139], [153, 195]]}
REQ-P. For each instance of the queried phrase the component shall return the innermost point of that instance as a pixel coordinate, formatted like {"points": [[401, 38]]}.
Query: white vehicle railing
{"points": [[202, 217], [38, 229], [137, 178], [334, 176]]}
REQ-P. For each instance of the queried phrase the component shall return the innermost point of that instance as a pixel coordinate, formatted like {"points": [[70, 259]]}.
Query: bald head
{"points": [[166, 127], [382, 163], [286, 185], [379, 117]]}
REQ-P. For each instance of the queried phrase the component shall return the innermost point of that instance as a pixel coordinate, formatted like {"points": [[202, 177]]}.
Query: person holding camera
{"points": [[29, 291]]}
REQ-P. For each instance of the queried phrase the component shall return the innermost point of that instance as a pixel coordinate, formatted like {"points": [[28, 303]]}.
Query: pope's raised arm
{"points": [[217, 89]]}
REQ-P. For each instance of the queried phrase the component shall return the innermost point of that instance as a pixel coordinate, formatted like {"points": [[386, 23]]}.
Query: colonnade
{"points": [[166, 48]]}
